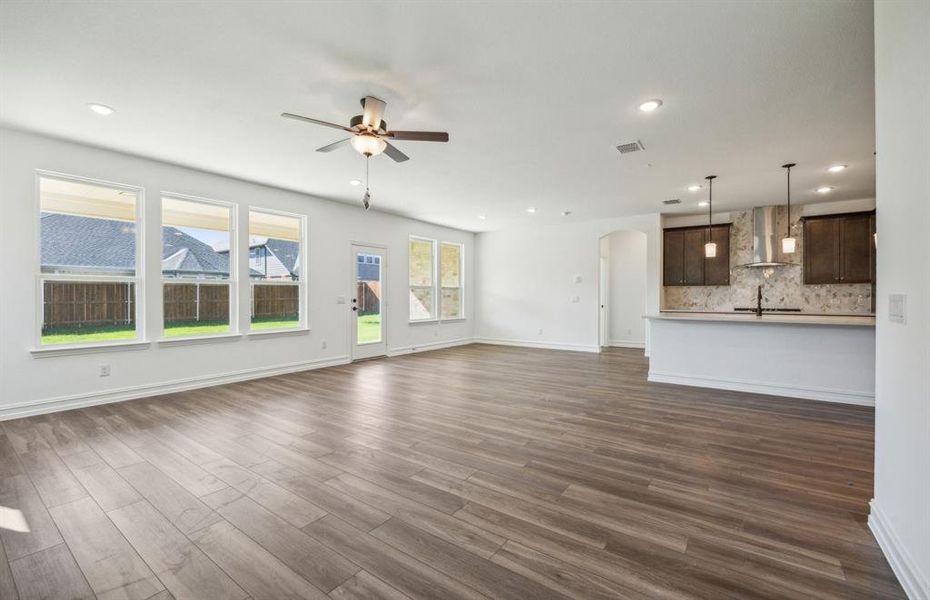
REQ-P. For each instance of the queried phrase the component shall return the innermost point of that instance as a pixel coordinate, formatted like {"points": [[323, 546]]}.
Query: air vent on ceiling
{"points": [[672, 201], [631, 147]]}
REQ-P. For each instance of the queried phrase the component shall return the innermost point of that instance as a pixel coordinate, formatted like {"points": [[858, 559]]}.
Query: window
{"points": [[451, 301], [197, 251], [90, 252], [277, 271], [422, 279]]}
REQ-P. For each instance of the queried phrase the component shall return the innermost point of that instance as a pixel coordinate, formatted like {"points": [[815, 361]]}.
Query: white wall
{"points": [[29, 384], [527, 286], [626, 291], [900, 514]]}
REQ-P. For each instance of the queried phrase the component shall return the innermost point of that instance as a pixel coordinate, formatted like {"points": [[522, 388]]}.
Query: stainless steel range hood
{"points": [[764, 239]]}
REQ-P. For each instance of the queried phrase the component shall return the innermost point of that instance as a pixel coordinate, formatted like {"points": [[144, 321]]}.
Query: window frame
{"points": [[232, 281], [461, 286], [138, 279], [434, 275], [303, 306]]}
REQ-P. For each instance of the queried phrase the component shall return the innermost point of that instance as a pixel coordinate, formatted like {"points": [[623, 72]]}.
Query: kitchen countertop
{"points": [[850, 319]]}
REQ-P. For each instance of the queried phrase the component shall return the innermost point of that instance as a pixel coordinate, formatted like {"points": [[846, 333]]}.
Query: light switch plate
{"points": [[897, 308]]}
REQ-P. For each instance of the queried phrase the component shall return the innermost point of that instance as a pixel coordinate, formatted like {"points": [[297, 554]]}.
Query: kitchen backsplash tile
{"points": [[782, 287]]}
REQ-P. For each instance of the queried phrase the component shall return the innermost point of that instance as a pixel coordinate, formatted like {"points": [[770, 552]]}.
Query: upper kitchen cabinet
{"points": [[683, 256], [839, 248]]}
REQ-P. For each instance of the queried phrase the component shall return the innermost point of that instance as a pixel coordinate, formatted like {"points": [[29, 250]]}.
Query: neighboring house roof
{"points": [[92, 244], [71, 243], [184, 254], [278, 259]]}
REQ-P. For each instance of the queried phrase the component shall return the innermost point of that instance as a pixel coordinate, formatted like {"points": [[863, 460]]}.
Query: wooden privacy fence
{"points": [[274, 301], [369, 297], [80, 304], [196, 302], [75, 304]]}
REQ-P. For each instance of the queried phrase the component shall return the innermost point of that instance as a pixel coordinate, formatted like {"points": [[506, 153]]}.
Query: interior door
{"points": [[367, 305], [603, 315]]}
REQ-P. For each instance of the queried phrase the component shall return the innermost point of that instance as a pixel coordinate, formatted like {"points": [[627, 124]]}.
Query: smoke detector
{"points": [[631, 147]]}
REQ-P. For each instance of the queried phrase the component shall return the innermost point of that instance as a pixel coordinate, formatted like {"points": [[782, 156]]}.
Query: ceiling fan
{"points": [[370, 134]]}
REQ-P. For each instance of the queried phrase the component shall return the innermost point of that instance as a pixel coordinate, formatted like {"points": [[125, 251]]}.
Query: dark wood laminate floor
{"points": [[471, 472]]}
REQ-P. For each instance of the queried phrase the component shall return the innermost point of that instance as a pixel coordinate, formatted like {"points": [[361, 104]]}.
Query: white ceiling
{"points": [[535, 97]]}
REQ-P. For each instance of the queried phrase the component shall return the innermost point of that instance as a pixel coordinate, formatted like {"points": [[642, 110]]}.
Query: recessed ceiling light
{"points": [[531, 210], [650, 105], [702, 203], [824, 189], [565, 213], [355, 182], [694, 188], [482, 217], [101, 109], [836, 168]]}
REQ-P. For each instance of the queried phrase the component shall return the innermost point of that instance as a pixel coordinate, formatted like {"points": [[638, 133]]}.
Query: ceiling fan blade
{"points": [[334, 145], [395, 154], [315, 121], [419, 136], [374, 111]]}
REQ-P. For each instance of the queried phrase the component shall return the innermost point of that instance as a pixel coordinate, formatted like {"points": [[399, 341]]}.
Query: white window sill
{"points": [[423, 322], [200, 339], [436, 321], [270, 333], [70, 350]]}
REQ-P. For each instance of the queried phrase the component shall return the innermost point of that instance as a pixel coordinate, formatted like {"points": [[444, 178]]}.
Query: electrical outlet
{"points": [[576, 299], [324, 344], [540, 331], [104, 370]]}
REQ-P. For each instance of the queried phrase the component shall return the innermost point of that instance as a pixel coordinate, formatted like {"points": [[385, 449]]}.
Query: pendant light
{"points": [[710, 248], [788, 243]]}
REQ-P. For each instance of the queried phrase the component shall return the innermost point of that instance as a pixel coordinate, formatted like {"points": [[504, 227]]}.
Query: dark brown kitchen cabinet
{"points": [[673, 253], [839, 248], [684, 261]]}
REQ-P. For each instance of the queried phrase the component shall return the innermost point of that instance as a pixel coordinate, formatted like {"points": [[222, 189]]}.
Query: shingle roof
{"points": [[98, 244], [187, 255], [103, 245]]}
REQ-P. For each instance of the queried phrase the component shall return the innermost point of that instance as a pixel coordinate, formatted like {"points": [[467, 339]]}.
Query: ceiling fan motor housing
{"points": [[356, 123]]}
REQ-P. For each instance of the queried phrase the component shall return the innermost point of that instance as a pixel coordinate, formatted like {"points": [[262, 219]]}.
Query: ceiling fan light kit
{"points": [[369, 135]]}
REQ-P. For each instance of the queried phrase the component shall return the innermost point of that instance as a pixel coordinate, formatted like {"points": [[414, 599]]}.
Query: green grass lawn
{"points": [[111, 333], [276, 324], [102, 333], [369, 328]]}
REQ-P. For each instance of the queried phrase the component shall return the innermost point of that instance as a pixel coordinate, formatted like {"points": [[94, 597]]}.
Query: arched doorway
{"points": [[622, 289]]}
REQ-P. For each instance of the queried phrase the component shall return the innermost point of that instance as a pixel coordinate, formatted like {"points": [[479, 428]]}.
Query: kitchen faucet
{"points": [[759, 301]]}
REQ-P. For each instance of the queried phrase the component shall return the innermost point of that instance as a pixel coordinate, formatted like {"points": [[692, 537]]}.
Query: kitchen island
{"points": [[827, 357]]}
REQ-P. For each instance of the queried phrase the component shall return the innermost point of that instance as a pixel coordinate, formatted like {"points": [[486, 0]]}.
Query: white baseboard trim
{"points": [[625, 344], [535, 344], [401, 350], [915, 584], [36, 407], [763, 387]]}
